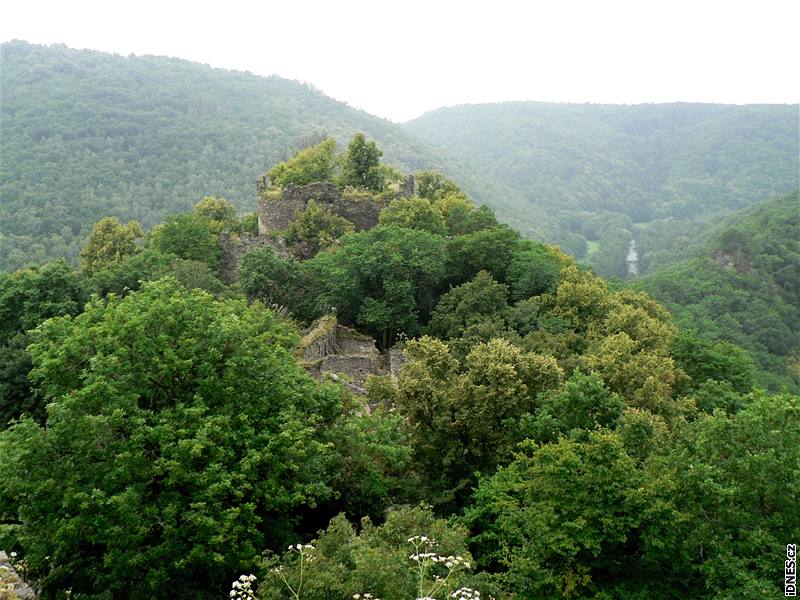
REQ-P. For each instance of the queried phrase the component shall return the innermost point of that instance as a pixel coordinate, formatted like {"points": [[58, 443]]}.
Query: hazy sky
{"points": [[400, 59]]}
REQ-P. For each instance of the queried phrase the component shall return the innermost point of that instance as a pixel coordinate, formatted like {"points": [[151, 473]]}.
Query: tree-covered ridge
{"points": [[87, 135], [545, 435], [743, 286], [613, 173]]}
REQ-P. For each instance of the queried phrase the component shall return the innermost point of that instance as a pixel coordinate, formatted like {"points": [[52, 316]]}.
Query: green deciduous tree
{"points": [[361, 165], [30, 296], [383, 279], [433, 186], [413, 213], [704, 360], [109, 242], [181, 440], [561, 521], [218, 211], [489, 250], [374, 561], [534, 270], [310, 165], [464, 416], [315, 228], [583, 405], [188, 237], [728, 486], [470, 303], [266, 276], [128, 274], [27, 298]]}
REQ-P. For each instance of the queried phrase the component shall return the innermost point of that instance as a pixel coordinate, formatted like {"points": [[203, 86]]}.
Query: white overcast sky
{"points": [[399, 59]]}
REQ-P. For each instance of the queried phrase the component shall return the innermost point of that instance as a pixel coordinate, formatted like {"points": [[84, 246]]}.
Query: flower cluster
{"points": [[364, 597], [242, 588], [427, 559], [306, 551], [466, 593], [307, 555]]}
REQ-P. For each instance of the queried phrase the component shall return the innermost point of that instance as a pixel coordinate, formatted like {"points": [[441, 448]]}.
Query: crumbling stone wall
{"points": [[408, 187], [275, 214], [330, 347]]}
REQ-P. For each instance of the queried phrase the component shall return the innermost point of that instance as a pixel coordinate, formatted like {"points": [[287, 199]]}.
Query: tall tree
{"points": [[360, 164], [109, 242], [181, 440]]}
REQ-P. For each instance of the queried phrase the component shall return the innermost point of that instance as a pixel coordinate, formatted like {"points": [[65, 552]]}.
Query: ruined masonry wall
{"points": [[275, 214]]}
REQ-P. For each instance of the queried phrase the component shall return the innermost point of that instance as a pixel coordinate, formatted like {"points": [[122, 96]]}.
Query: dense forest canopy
{"points": [[88, 134], [742, 285], [614, 173], [545, 435], [394, 393]]}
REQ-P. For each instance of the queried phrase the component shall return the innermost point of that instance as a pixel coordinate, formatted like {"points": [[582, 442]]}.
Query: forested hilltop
{"points": [[743, 285], [655, 172], [87, 134], [528, 432]]}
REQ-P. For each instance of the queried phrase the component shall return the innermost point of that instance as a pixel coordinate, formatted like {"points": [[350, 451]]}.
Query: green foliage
{"points": [[489, 250], [16, 396], [88, 134], [109, 242], [315, 228], [375, 561], [478, 300], [581, 300], [703, 361], [583, 405], [654, 172], [413, 213], [309, 165], [361, 165], [704, 508], [369, 471], [266, 276], [128, 274], [533, 271], [744, 289], [434, 186], [30, 296], [630, 349], [459, 214], [218, 211], [383, 280], [196, 275], [248, 223], [729, 486], [561, 520], [183, 440], [188, 237], [464, 417]]}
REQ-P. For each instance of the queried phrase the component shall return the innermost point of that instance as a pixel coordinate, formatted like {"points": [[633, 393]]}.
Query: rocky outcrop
{"points": [[397, 358], [332, 348], [12, 587]]}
